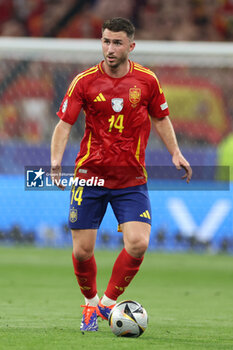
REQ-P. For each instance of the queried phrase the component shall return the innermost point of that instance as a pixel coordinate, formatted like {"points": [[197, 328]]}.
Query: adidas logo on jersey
{"points": [[100, 98], [146, 214]]}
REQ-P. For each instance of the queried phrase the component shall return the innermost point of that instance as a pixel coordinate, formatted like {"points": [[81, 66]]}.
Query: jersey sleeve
{"points": [[72, 103], [158, 107]]}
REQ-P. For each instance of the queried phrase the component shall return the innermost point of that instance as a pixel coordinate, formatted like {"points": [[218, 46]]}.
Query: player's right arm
{"points": [[68, 113], [58, 144]]}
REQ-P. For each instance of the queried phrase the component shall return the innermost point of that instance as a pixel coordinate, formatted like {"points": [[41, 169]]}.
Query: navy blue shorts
{"points": [[88, 205]]}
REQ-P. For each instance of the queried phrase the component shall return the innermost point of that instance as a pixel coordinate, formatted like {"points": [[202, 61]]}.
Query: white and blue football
{"points": [[128, 319]]}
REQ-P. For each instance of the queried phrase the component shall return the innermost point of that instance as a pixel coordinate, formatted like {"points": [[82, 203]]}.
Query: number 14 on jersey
{"points": [[116, 122]]}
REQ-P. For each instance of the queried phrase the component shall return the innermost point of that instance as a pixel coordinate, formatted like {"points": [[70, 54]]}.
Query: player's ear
{"points": [[132, 46]]}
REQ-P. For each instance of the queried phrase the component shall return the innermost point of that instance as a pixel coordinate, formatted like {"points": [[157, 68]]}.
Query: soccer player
{"points": [[120, 99]]}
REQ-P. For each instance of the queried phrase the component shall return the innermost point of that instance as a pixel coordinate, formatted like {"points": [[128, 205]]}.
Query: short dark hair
{"points": [[119, 24]]}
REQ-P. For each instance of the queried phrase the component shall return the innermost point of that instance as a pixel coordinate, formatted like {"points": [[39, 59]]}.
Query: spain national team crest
{"points": [[117, 104], [134, 96], [73, 215]]}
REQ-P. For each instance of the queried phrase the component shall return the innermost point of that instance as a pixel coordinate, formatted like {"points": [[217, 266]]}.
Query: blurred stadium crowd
{"points": [[30, 92], [208, 20]]}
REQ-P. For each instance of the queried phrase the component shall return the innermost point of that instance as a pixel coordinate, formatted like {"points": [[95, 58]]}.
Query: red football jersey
{"points": [[118, 112]]}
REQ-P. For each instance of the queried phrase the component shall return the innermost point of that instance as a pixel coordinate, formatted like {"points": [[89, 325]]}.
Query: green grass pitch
{"points": [[188, 297]]}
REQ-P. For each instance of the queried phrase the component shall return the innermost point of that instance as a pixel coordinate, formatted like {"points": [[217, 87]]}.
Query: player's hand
{"points": [[181, 163], [56, 176]]}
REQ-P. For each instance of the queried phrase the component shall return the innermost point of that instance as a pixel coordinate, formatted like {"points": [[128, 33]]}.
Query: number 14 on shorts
{"points": [[76, 195]]}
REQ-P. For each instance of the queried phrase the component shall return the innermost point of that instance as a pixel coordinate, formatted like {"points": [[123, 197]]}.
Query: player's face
{"points": [[116, 48]]}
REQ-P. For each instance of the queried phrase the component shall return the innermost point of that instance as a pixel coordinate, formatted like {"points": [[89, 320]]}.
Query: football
{"points": [[128, 319]]}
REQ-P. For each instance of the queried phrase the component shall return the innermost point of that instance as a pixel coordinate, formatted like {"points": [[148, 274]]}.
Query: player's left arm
{"points": [[166, 132]]}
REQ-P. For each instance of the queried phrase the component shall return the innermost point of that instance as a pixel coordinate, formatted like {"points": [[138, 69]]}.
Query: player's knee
{"points": [[142, 246], [82, 253], [137, 247]]}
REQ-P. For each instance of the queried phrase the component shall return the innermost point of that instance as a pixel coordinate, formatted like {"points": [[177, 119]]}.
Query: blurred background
{"points": [[199, 94]]}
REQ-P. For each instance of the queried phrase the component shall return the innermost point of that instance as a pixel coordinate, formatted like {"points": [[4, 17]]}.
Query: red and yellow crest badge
{"points": [[134, 96]]}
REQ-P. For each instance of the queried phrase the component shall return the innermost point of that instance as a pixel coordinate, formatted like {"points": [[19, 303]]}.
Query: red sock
{"points": [[85, 272], [124, 269]]}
